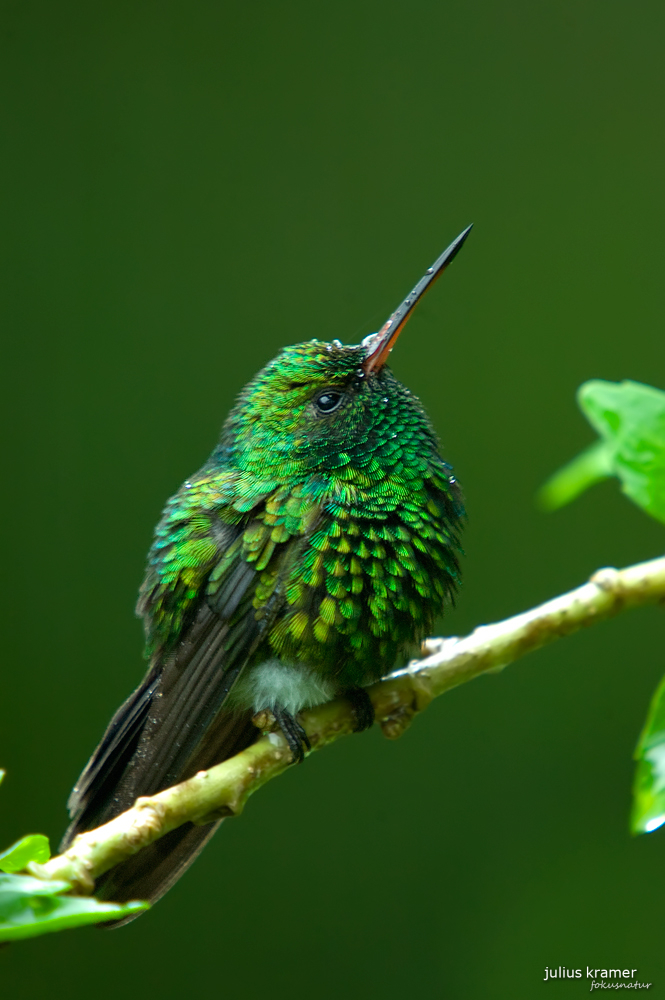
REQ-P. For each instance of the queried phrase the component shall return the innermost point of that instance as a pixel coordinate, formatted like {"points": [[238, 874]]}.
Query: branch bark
{"points": [[223, 790]]}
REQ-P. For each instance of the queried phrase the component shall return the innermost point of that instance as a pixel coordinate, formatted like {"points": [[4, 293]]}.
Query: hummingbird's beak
{"points": [[379, 345]]}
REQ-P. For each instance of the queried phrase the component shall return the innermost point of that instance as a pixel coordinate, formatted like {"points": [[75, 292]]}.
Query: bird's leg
{"points": [[294, 734], [363, 709]]}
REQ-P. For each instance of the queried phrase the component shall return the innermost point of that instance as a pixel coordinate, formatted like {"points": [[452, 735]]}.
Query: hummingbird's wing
{"points": [[204, 622]]}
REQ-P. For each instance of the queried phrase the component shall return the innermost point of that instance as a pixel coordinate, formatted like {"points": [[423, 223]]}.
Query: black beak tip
{"points": [[459, 242]]}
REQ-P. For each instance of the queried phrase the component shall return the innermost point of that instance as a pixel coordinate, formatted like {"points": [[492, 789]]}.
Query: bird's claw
{"points": [[363, 709], [293, 733]]}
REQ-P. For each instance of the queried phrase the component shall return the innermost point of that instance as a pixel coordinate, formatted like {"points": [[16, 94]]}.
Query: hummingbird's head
{"points": [[311, 402], [323, 407]]}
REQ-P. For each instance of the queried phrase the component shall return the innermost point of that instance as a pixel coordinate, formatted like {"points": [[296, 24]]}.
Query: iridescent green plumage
{"points": [[349, 520], [317, 544]]}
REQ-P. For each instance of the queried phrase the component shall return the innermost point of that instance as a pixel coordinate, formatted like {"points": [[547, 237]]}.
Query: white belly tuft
{"points": [[292, 686]]}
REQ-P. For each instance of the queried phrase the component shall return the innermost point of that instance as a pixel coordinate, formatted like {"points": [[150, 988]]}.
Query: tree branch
{"points": [[224, 789]]}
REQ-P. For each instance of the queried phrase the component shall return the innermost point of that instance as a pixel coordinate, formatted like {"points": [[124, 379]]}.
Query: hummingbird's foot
{"points": [[363, 709], [293, 733]]}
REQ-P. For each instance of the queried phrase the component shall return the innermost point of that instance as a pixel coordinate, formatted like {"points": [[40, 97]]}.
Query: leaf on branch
{"points": [[34, 847], [648, 812], [630, 420], [31, 906]]}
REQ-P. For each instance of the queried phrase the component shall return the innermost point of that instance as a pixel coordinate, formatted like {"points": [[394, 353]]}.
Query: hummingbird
{"points": [[316, 545]]}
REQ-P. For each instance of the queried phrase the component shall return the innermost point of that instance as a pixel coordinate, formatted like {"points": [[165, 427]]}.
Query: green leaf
{"points": [[648, 812], [630, 419], [31, 906], [34, 847]]}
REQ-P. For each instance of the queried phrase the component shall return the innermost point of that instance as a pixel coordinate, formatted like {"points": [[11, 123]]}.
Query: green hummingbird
{"points": [[317, 544]]}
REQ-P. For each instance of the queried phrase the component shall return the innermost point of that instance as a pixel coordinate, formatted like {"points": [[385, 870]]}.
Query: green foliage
{"points": [[648, 811], [34, 847], [630, 420], [31, 906]]}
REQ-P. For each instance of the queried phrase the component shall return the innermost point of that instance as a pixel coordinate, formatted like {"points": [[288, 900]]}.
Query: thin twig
{"points": [[223, 790]]}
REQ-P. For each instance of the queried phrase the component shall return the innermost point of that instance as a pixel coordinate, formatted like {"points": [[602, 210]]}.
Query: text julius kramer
{"points": [[563, 973]]}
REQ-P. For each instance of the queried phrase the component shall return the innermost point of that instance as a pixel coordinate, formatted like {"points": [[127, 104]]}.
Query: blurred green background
{"points": [[186, 188]]}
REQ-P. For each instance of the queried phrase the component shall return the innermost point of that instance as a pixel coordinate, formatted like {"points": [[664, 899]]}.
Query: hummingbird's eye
{"points": [[328, 401]]}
